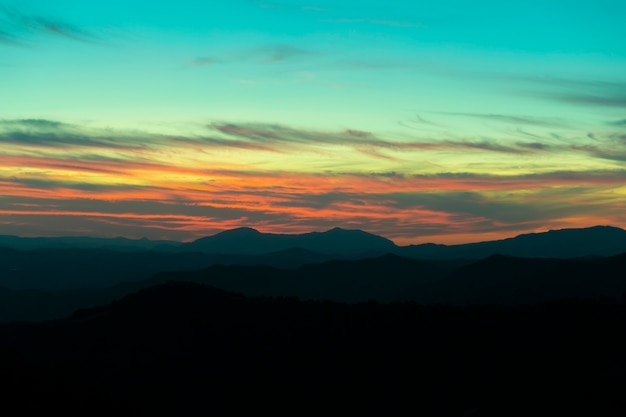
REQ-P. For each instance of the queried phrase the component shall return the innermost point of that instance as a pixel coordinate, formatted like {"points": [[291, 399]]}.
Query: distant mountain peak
{"points": [[245, 240], [340, 230], [560, 243], [240, 231]]}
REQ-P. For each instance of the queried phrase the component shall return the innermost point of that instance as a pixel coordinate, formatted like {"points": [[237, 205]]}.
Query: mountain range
{"points": [[496, 280], [187, 349], [565, 243], [339, 265], [341, 321]]}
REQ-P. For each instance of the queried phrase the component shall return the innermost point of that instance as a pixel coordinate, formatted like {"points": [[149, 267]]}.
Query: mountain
{"points": [[565, 243], [252, 242], [496, 280], [64, 269], [507, 280], [338, 242], [189, 349], [73, 268], [84, 242], [384, 279]]}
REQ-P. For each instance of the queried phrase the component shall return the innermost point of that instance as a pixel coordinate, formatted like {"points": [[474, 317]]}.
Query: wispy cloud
{"points": [[600, 93], [360, 140], [616, 99], [621, 122], [612, 153], [277, 139], [266, 54], [577, 84], [281, 52], [8, 38], [19, 25], [203, 62], [105, 180], [533, 145], [46, 133], [511, 119]]}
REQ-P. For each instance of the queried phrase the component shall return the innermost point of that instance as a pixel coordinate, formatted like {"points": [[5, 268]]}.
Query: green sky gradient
{"points": [[296, 89]]}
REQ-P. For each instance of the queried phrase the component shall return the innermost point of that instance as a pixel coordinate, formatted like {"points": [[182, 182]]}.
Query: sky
{"points": [[448, 122]]}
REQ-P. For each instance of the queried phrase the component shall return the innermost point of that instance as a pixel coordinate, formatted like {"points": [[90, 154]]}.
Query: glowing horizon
{"points": [[444, 123]]}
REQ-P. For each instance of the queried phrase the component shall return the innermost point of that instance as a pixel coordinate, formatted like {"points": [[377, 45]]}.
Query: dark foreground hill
{"points": [[187, 349], [497, 280]]}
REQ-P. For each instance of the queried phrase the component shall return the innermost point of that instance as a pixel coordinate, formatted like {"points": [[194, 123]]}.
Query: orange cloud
{"points": [[189, 186]]}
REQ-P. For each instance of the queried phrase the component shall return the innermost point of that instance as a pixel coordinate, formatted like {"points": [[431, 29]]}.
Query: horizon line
{"points": [[298, 234]]}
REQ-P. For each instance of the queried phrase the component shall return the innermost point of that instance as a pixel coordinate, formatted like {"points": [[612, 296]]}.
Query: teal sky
{"points": [[453, 87], [326, 64]]}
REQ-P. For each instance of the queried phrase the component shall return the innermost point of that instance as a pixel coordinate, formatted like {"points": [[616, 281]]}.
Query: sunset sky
{"points": [[448, 121]]}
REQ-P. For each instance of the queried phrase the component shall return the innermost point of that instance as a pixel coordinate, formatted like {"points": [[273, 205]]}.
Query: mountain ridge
{"points": [[601, 240], [249, 241]]}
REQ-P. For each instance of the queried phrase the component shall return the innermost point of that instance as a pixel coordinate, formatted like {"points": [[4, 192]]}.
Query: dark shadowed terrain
{"points": [[187, 349], [369, 328], [497, 280]]}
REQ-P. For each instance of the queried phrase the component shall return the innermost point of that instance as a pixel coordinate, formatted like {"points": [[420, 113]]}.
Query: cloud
{"points": [[360, 140], [533, 145], [600, 93], [8, 38], [34, 123], [203, 62], [512, 119], [621, 122], [606, 152], [483, 145], [22, 24], [281, 52], [577, 84], [155, 195], [617, 99], [476, 207], [47, 133], [64, 177], [268, 54]]}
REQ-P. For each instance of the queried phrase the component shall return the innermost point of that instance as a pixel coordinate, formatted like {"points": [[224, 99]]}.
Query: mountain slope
{"points": [[250, 241], [187, 349], [565, 243]]}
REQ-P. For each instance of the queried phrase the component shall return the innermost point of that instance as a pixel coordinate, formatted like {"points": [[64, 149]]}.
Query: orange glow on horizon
{"points": [[199, 188]]}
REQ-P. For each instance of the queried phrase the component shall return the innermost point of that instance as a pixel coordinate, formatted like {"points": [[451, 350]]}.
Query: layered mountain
{"points": [[565, 243], [250, 241], [85, 242], [188, 349], [496, 280]]}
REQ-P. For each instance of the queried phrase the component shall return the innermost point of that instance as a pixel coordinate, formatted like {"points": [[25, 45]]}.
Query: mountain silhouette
{"points": [[565, 243], [188, 349], [496, 280], [249, 241], [85, 242], [507, 280]]}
